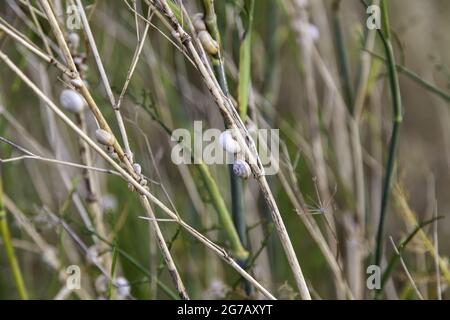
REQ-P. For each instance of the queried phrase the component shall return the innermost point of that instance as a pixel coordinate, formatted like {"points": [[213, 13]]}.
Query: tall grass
{"points": [[93, 186]]}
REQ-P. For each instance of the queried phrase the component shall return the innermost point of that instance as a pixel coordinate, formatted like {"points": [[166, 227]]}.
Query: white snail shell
{"points": [[74, 40], [137, 168], [72, 101], [77, 83], [104, 137], [92, 255], [209, 44], [313, 32], [123, 287], [228, 143], [199, 23], [242, 169]]}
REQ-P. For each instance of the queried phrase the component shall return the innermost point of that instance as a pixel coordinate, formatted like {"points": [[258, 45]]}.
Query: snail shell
{"points": [[137, 168], [74, 40], [72, 101], [123, 287], [228, 143], [199, 23], [104, 137], [209, 44], [242, 169], [77, 83]]}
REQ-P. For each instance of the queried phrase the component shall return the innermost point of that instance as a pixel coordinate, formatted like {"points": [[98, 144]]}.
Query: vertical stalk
{"points": [[236, 185], [10, 254], [398, 117], [245, 59], [342, 57]]}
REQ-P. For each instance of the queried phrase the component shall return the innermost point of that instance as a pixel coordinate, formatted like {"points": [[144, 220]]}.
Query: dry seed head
{"points": [[104, 137], [72, 101], [241, 169], [209, 44]]}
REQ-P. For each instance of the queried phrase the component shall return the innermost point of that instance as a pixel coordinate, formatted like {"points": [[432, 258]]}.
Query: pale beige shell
{"points": [[104, 137], [209, 44], [199, 23], [72, 101], [228, 143]]}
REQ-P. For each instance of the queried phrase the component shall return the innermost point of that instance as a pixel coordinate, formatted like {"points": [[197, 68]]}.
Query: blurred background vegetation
{"points": [[166, 90]]}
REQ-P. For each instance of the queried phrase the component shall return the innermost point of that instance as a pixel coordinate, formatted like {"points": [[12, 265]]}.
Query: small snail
{"points": [[123, 287], [104, 137], [72, 101], [209, 44], [77, 83], [199, 23], [74, 40], [241, 168], [137, 169], [228, 143], [92, 255]]}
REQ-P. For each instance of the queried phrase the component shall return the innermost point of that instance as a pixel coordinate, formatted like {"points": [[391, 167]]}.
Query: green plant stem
{"points": [[224, 216], [10, 254], [395, 257], [398, 117], [342, 57], [418, 79], [240, 253], [236, 184], [217, 60], [237, 209], [245, 59]]}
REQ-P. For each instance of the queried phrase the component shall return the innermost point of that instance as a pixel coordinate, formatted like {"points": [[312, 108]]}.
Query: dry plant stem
{"points": [[436, 255], [129, 178], [165, 250], [105, 81], [39, 28], [295, 196], [26, 136], [137, 54], [81, 86], [46, 249], [126, 158], [236, 183], [398, 117], [313, 113], [410, 278], [411, 219], [235, 122], [10, 254], [30, 46], [92, 197], [32, 156]]}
